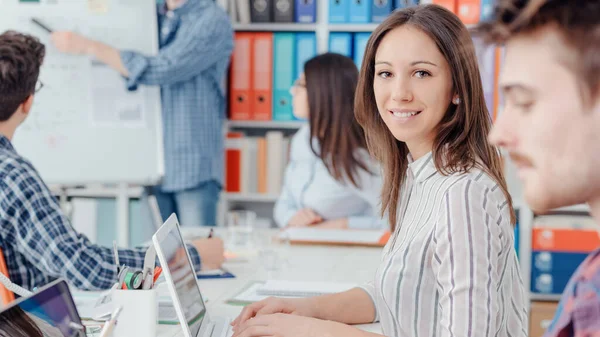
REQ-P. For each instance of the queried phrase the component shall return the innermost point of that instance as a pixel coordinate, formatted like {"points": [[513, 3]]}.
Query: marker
{"points": [[41, 25]]}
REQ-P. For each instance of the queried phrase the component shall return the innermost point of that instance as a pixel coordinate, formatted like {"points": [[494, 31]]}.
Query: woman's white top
{"points": [[308, 184], [450, 269]]}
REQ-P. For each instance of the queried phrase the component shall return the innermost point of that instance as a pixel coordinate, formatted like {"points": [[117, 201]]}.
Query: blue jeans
{"points": [[194, 207]]}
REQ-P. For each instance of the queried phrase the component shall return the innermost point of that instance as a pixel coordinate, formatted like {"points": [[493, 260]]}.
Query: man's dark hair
{"points": [[21, 56], [577, 22]]}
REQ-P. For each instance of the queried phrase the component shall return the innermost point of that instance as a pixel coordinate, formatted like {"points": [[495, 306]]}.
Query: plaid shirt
{"points": [[196, 42], [38, 241], [578, 312]]}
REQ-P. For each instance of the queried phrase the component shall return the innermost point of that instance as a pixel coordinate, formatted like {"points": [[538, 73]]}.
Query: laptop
{"points": [[49, 312], [180, 277]]}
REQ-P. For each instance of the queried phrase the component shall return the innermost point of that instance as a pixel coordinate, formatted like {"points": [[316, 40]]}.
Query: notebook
{"points": [[257, 291], [346, 237]]}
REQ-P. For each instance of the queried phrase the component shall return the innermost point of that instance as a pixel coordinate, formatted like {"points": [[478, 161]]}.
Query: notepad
{"points": [[258, 291], [308, 235], [302, 289]]}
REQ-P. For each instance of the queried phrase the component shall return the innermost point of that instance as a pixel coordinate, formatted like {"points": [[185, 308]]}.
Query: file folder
{"points": [[339, 11], [381, 10], [306, 11], [341, 43], [360, 11], [260, 10], [284, 11], [284, 46], [306, 48], [261, 103], [449, 4], [241, 77], [360, 44], [469, 11]]}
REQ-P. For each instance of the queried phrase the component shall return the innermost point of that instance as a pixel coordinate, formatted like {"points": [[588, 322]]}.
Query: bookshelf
{"points": [[250, 197], [274, 27], [357, 27], [264, 125]]}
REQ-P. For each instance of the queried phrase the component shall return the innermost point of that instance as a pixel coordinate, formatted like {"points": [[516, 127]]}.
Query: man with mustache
{"points": [[551, 124]]}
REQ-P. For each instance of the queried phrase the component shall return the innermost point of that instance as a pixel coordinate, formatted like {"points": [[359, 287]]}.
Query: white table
{"points": [[305, 263]]}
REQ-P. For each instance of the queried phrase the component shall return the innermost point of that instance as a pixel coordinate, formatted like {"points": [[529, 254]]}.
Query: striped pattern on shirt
{"points": [[450, 269]]}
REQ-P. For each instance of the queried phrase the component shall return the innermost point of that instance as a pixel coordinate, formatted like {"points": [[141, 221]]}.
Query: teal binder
{"points": [[341, 43], [284, 52]]}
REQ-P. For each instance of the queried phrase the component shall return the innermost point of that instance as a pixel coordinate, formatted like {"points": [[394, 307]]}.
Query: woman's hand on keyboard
{"points": [[274, 305]]}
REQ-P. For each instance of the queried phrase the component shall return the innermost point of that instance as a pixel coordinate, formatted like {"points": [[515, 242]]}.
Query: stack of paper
{"points": [[336, 236]]}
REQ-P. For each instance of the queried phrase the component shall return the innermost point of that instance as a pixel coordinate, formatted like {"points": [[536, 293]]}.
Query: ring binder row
{"points": [[264, 68], [345, 11]]}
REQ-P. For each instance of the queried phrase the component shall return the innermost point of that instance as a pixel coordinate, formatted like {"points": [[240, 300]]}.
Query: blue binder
{"points": [[306, 48], [306, 11], [341, 43], [405, 3], [360, 11], [360, 44], [381, 10], [339, 11], [284, 53], [487, 10]]}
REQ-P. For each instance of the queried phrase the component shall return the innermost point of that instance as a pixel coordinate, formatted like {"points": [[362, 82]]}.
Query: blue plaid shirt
{"points": [[196, 42], [38, 241]]}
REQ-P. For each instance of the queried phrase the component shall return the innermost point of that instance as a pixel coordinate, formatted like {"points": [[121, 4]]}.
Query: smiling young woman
{"points": [[450, 268]]}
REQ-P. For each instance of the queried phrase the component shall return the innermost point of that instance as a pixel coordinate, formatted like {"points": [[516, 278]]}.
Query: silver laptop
{"points": [[180, 277]]}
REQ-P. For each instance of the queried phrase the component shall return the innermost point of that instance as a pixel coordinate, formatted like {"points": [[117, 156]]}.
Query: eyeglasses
{"points": [[38, 86], [299, 84]]}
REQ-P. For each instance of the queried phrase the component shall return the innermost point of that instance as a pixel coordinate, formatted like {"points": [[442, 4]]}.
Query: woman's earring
{"points": [[456, 100]]}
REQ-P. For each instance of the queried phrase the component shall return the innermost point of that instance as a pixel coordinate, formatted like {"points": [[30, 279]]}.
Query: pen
{"points": [[116, 252], [110, 325], [41, 25], [210, 235]]}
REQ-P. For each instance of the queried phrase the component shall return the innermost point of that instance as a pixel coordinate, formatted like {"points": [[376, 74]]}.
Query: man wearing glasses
{"points": [[37, 240]]}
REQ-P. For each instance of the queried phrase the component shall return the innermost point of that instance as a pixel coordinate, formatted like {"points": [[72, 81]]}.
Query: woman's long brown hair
{"points": [[331, 84], [461, 140]]}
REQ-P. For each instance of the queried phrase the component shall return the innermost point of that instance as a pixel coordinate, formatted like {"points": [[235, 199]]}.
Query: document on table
{"points": [[257, 291]]}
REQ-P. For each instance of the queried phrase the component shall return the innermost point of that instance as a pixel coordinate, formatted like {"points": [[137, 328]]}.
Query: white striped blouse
{"points": [[451, 268]]}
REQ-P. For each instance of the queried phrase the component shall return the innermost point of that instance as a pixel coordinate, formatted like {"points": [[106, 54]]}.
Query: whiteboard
{"points": [[85, 127]]}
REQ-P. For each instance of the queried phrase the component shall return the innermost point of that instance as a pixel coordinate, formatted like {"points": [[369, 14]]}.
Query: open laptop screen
{"points": [[49, 312], [184, 279]]}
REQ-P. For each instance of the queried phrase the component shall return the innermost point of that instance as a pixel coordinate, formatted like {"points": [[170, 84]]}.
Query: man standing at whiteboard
{"points": [[196, 42]]}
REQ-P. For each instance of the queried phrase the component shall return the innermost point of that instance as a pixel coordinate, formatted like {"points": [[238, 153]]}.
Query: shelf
{"points": [[544, 297], [265, 124], [352, 27], [99, 191], [575, 208], [275, 27], [253, 197]]}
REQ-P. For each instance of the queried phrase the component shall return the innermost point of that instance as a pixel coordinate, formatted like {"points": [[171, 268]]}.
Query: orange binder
{"points": [[7, 295], [262, 165], [565, 240], [233, 162], [469, 11], [448, 4], [262, 76], [241, 78]]}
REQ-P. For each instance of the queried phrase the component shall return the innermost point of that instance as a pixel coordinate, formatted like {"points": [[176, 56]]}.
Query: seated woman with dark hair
{"points": [[331, 180]]}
